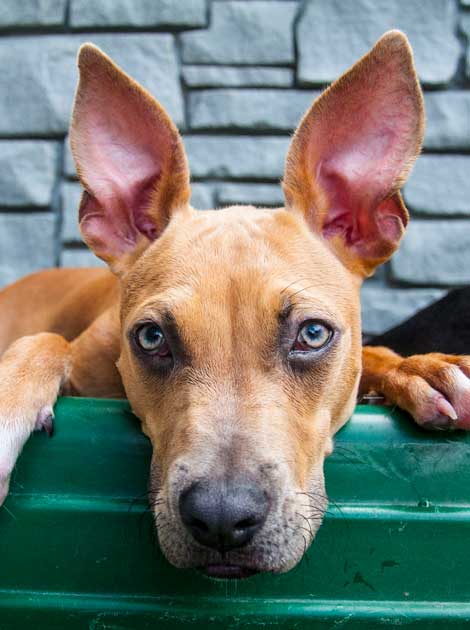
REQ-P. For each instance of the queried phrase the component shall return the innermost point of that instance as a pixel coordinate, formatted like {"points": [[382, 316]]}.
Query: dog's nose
{"points": [[224, 514]]}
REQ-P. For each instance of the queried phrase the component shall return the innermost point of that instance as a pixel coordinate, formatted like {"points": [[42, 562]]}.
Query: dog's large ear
{"points": [[129, 158], [353, 151]]}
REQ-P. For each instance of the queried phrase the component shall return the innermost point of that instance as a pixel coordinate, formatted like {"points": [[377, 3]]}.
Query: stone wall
{"points": [[236, 75]]}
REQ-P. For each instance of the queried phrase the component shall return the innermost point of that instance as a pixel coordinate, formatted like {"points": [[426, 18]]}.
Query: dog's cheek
{"points": [[135, 386]]}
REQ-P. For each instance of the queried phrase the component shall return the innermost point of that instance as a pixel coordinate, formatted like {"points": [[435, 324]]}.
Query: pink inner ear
{"points": [[122, 142], [129, 159], [365, 225], [359, 166], [122, 167], [352, 152], [104, 236], [354, 180], [118, 232]]}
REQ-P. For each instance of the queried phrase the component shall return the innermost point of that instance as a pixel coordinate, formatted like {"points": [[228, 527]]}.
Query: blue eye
{"points": [[313, 336], [151, 339]]}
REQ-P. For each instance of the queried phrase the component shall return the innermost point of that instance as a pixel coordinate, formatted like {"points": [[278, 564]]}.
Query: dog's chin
{"points": [[228, 571]]}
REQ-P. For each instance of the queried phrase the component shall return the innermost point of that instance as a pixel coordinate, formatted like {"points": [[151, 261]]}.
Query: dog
{"points": [[235, 334]]}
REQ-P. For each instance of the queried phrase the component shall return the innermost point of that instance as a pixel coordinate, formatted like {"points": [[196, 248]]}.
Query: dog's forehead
{"points": [[238, 256]]}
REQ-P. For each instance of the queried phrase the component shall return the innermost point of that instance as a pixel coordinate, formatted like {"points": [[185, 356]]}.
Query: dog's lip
{"points": [[228, 571]]}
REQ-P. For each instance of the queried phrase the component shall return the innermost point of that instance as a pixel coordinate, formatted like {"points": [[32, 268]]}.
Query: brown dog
{"points": [[235, 334]]}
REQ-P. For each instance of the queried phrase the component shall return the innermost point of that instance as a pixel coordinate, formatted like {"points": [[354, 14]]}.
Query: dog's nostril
{"points": [[224, 514], [245, 523], [199, 524]]}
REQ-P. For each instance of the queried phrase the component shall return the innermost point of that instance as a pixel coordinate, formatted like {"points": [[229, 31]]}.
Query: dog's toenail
{"points": [[45, 421], [49, 425], [445, 408]]}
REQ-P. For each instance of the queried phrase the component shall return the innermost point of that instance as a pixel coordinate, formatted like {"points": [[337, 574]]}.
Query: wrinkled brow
{"points": [[306, 302], [166, 301]]}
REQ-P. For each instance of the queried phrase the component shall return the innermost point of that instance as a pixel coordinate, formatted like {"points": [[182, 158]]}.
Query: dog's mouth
{"points": [[228, 571]]}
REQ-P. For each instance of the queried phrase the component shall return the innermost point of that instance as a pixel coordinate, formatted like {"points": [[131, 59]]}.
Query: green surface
{"points": [[77, 548]]}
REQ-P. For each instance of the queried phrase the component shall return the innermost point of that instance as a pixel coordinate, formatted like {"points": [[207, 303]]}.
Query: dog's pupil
{"points": [[314, 331], [314, 335], [153, 336]]}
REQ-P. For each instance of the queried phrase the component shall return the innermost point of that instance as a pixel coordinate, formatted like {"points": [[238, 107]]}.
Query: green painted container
{"points": [[78, 550]]}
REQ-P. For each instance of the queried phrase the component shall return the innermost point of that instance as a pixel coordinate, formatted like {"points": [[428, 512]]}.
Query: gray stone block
{"points": [[448, 120], [333, 35], [28, 13], [70, 200], [138, 13], [257, 32], [250, 194], [248, 109], [39, 77], [384, 307], [27, 172], [434, 253], [227, 76], [202, 196], [26, 244], [79, 258], [239, 157], [440, 184]]}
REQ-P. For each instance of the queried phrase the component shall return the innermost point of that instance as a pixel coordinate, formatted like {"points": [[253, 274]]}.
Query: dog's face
{"points": [[241, 327], [258, 360]]}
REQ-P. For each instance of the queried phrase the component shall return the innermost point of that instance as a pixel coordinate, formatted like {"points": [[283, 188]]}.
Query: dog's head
{"points": [[241, 349]]}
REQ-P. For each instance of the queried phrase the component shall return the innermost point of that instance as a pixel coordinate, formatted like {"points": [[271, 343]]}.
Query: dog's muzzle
{"points": [[223, 515]]}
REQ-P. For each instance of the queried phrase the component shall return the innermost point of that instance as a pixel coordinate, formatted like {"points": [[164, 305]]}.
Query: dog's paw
{"points": [[434, 389], [15, 429], [32, 372]]}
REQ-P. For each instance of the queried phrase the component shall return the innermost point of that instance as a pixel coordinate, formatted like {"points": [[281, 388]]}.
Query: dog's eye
{"points": [[312, 336], [151, 339]]}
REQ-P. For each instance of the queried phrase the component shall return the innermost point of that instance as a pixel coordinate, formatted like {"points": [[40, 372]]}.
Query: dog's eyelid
{"points": [[302, 311], [163, 318], [139, 323], [298, 317]]}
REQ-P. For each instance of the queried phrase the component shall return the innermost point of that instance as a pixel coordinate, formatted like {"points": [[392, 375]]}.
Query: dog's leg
{"points": [[35, 369], [434, 388], [32, 372]]}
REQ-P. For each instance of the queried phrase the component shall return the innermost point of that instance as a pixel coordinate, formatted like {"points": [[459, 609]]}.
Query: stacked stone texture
{"points": [[236, 75]]}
